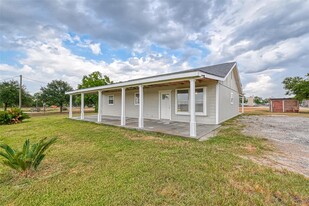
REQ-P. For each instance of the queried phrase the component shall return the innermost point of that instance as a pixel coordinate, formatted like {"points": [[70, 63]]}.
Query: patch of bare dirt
{"points": [[289, 135]]}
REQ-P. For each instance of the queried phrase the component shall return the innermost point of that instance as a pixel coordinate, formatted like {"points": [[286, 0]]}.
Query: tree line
{"points": [[52, 94]]}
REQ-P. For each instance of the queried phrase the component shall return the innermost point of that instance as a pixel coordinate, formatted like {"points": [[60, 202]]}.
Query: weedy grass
{"points": [[94, 164]]}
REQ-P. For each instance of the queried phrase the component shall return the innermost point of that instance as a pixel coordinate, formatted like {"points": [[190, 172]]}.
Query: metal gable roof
{"points": [[219, 70]]}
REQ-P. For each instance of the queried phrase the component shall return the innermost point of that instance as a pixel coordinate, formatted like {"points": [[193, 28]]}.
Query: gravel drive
{"points": [[289, 134]]}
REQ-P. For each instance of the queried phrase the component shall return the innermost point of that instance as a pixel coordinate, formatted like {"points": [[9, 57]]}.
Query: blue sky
{"points": [[66, 39]]}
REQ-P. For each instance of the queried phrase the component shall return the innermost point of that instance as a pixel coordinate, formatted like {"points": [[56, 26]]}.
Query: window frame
{"points": [[136, 104], [204, 113], [232, 98], [109, 99]]}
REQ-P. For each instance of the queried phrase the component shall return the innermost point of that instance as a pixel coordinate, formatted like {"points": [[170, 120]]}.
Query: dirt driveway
{"points": [[290, 135]]}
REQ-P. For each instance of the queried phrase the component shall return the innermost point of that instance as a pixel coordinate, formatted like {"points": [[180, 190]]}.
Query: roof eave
{"points": [[238, 78], [148, 81]]}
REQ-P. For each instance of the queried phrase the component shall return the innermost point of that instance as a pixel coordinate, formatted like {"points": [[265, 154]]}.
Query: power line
{"points": [[9, 78], [35, 80]]}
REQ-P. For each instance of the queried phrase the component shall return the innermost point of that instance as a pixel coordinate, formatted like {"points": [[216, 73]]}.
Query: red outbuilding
{"points": [[284, 105]]}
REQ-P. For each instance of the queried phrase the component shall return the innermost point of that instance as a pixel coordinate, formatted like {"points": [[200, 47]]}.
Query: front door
{"points": [[165, 105]]}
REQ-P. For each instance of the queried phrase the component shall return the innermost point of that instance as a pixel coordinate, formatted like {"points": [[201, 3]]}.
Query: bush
{"points": [[12, 116], [29, 158], [4, 117]]}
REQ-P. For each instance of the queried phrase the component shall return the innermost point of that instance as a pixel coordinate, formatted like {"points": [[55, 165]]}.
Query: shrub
{"points": [[29, 158], [12, 116], [4, 117]]}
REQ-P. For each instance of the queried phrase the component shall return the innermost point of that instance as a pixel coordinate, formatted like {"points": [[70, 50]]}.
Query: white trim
{"points": [[70, 108], [229, 72], [99, 106], [237, 79], [204, 113], [141, 107], [217, 101], [102, 96], [82, 107], [170, 93], [242, 104], [123, 106], [134, 95], [192, 108], [111, 95], [149, 81]]}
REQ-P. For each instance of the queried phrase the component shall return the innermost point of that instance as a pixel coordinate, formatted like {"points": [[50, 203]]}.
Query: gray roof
{"points": [[219, 70]]}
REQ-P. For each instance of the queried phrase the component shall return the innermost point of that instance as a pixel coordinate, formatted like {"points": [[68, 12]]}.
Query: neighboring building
{"points": [[250, 101], [284, 105], [305, 103], [206, 95]]}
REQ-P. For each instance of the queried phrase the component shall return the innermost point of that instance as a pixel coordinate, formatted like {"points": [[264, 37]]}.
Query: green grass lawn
{"points": [[93, 164]]}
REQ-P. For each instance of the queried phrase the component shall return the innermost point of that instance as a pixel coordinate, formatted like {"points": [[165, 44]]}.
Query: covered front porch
{"points": [[184, 104], [162, 126]]}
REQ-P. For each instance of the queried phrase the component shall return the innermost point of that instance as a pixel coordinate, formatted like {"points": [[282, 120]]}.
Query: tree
{"points": [[297, 86], [245, 99], [38, 99], [54, 93], [258, 100], [9, 94], [92, 80]]}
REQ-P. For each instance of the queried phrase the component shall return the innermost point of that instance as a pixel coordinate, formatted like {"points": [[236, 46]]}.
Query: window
{"points": [[111, 100], [183, 101], [199, 100], [232, 98], [136, 99]]}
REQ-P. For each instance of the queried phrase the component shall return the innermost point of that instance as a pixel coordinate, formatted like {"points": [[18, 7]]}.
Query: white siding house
{"points": [[212, 92]]}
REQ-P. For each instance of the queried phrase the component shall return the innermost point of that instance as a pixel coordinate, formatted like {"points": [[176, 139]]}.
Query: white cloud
{"points": [[49, 60], [6, 68], [26, 70], [264, 37], [95, 48], [261, 86]]}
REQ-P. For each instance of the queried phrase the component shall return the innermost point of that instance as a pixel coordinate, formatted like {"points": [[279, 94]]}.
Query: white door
{"points": [[165, 105]]}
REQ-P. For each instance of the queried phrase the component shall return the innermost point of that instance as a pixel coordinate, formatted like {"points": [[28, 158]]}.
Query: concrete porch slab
{"points": [[162, 126]]}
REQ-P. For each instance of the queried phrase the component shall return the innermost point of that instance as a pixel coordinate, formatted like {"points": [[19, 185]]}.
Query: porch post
{"points": [[70, 109], [141, 107], [99, 106], [242, 104], [217, 101], [82, 115], [192, 109], [123, 106]]}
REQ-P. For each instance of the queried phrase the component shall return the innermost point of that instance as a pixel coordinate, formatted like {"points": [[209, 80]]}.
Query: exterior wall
{"points": [[284, 105], [151, 102], [227, 109], [276, 105], [305, 103], [250, 101]]}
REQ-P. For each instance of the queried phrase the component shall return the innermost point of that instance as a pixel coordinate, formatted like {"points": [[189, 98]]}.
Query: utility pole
{"points": [[20, 87]]}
